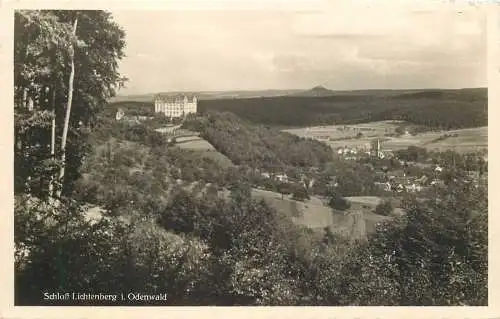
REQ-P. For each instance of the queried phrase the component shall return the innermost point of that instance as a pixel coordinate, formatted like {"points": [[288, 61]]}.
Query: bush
{"points": [[338, 202], [300, 193], [384, 208]]}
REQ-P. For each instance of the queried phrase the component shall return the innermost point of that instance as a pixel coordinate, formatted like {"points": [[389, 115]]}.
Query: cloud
{"points": [[346, 48]]}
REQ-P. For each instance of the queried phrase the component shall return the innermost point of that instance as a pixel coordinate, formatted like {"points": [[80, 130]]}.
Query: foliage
{"points": [[412, 154], [338, 202], [300, 193], [57, 249], [384, 208], [258, 146], [443, 109], [43, 44], [436, 255]]}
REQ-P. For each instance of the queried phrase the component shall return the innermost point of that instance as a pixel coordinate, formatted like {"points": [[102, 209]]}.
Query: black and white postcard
{"points": [[242, 154]]}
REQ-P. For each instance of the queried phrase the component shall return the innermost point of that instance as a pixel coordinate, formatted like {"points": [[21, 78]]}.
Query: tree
{"points": [[338, 202], [48, 47], [435, 255], [40, 47], [68, 105], [283, 189], [300, 193], [384, 208]]}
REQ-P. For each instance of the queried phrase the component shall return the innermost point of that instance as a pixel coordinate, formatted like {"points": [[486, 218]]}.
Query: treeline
{"points": [[256, 145], [450, 109], [131, 108]]}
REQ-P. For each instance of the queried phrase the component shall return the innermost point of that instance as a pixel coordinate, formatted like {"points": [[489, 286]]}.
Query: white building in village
{"points": [[175, 106]]}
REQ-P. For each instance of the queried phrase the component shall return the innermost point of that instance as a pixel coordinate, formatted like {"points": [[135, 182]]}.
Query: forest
{"points": [[158, 232], [256, 145], [445, 109]]}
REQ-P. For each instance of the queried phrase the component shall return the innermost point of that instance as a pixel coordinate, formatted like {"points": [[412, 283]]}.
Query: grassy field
{"points": [[316, 215], [196, 143], [337, 132], [463, 140], [364, 201], [311, 213]]}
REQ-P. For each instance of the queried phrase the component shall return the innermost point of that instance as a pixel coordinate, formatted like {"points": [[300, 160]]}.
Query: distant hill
{"points": [[317, 91]]}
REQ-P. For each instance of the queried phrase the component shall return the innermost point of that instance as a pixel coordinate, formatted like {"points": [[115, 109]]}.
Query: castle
{"points": [[175, 106]]}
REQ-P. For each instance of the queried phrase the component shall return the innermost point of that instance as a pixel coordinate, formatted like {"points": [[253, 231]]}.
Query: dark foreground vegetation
{"points": [[203, 249], [164, 227]]}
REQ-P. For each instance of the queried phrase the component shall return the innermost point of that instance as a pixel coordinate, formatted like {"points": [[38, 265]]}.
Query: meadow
{"points": [[461, 140], [196, 143], [316, 215]]}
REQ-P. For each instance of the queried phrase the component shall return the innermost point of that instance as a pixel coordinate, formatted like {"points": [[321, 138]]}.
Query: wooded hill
{"points": [[256, 145], [440, 109], [434, 108]]}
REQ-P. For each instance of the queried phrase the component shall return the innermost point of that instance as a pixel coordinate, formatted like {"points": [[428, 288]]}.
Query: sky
{"points": [[340, 48]]}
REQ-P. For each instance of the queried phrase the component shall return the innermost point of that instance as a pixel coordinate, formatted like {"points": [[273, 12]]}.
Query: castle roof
{"points": [[166, 97]]}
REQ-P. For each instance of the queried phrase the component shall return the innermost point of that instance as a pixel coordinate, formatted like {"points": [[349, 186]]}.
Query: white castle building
{"points": [[175, 105]]}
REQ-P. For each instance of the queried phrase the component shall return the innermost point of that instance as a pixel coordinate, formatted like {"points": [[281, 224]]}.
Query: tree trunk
{"points": [[25, 97], [68, 112], [53, 140]]}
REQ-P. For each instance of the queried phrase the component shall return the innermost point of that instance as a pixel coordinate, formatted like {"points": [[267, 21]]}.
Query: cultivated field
{"points": [[332, 133], [463, 140]]}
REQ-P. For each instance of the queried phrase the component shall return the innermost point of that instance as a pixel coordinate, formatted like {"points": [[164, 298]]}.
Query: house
{"points": [[389, 154], [282, 177], [144, 117], [422, 180], [265, 175], [438, 169], [437, 182], [307, 182], [119, 114], [397, 174], [175, 106], [385, 186], [413, 188], [399, 188]]}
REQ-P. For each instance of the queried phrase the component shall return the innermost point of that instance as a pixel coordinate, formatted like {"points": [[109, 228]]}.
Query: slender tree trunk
{"points": [[53, 139], [68, 111], [25, 97]]}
